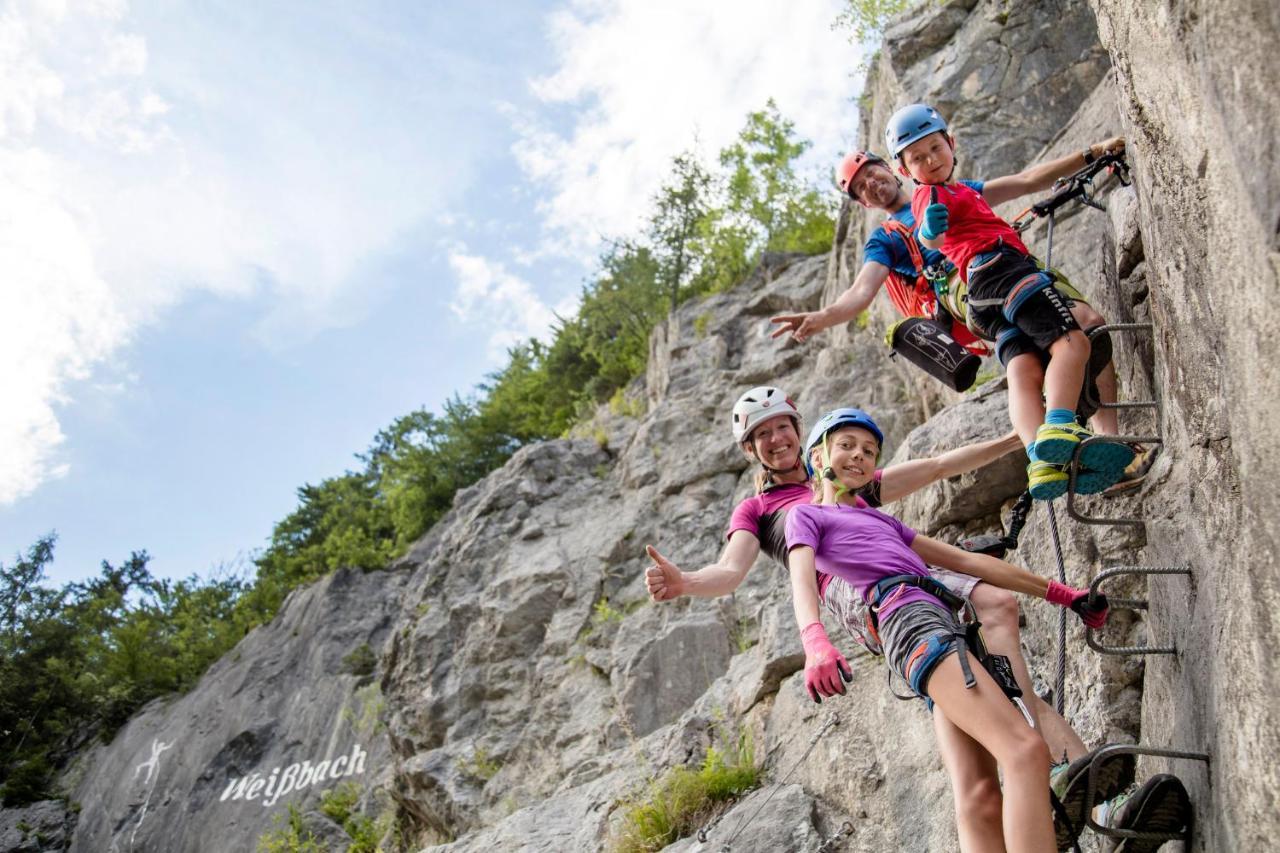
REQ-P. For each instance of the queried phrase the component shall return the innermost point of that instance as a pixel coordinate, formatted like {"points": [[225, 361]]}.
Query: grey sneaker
{"points": [[1069, 783], [1159, 806], [1143, 458]]}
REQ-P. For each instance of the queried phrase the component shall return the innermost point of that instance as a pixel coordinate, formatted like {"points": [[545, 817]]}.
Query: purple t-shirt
{"points": [[764, 515], [861, 545]]}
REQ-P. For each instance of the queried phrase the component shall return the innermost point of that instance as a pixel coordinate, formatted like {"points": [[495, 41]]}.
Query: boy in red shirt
{"points": [[1011, 301]]}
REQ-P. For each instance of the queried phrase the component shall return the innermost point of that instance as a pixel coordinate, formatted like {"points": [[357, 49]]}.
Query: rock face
{"points": [[1197, 86], [290, 712], [526, 688]]}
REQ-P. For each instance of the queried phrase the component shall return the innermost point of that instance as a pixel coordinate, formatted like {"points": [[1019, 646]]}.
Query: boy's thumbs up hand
{"points": [[936, 217]]}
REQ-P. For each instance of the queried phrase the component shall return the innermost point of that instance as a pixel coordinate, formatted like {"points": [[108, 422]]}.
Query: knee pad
{"points": [[1024, 290]]}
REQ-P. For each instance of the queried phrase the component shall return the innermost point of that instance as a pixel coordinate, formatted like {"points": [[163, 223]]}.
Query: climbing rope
{"points": [[1078, 186], [1060, 680], [832, 721]]}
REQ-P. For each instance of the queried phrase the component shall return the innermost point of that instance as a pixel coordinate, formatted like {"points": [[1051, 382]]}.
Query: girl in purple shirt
{"points": [[864, 546]]}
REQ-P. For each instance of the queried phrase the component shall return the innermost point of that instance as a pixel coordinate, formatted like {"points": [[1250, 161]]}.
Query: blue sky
{"points": [[241, 238]]}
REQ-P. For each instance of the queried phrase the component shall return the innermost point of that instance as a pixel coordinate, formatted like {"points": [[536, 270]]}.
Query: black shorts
{"points": [[1015, 304]]}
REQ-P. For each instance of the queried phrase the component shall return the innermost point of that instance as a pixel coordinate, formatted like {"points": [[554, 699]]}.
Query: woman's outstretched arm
{"points": [[666, 581], [993, 571]]}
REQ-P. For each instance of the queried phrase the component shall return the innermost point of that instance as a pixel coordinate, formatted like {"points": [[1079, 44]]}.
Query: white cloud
{"points": [[645, 76], [58, 316], [504, 304], [121, 193]]}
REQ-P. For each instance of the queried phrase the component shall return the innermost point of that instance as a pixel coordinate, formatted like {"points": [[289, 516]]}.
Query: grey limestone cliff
{"points": [[290, 712]]}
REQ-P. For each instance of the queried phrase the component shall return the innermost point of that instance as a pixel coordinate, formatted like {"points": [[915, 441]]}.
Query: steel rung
{"points": [[1130, 604], [1127, 327], [1073, 471], [1131, 404], [1091, 790]]}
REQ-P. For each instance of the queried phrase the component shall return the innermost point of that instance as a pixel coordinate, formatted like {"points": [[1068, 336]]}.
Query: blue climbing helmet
{"points": [[910, 123], [832, 421]]}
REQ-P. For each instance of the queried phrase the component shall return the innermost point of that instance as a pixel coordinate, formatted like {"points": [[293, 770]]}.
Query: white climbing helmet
{"points": [[760, 404]]}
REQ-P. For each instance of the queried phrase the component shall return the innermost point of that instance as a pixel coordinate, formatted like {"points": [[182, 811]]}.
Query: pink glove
{"points": [[824, 666], [1094, 615]]}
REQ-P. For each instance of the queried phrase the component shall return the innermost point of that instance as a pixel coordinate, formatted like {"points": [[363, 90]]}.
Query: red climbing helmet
{"points": [[850, 166]]}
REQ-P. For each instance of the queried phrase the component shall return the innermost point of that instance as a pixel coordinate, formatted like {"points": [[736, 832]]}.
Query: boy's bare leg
{"points": [[1064, 377], [1106, 421], [1026, 377]]}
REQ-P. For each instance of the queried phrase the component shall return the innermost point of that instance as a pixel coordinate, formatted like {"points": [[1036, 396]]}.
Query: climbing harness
{"points": [[833, 720], [967, 639], [933, 335]]}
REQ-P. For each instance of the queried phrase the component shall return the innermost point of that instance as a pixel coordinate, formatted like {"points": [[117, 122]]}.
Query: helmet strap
{"points": [[829, 473]]}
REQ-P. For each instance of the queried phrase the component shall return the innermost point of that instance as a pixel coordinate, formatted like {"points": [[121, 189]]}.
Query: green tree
{"points": [[868, 18], [764, 190], [619, 310], [681, 208], [78, 661]]}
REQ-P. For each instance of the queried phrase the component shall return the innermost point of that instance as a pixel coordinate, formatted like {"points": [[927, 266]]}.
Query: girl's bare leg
{"points": [[975, 787], [984, 714], [997, 610]]}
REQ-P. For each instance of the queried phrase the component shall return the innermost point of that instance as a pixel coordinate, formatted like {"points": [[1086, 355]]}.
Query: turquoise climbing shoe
{"points": [[1069, 783], [1057, 442], [1092, 482], [1046, 481], [1159, 805]]}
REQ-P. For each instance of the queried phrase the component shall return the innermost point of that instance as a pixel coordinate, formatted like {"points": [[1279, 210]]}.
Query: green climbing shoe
{"points": [[1046, 481], [1090, 482], [1069, 783], [1057, 442], [1159, 805]]}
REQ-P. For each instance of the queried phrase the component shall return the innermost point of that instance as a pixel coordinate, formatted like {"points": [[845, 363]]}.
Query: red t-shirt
{"points": [[973, 226]]}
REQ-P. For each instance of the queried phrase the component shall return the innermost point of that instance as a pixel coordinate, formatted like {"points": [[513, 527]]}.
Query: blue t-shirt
{"points": [[890, 249]]}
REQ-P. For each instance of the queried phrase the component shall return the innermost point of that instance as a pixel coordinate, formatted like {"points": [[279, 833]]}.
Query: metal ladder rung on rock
{"points": [[1090, 635], [1073, 467], [1091, 791]]}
